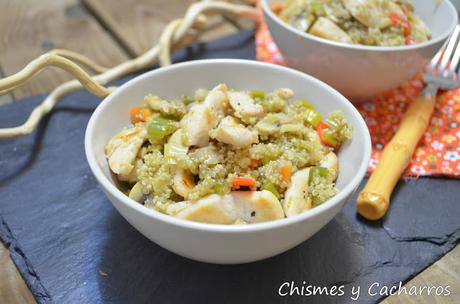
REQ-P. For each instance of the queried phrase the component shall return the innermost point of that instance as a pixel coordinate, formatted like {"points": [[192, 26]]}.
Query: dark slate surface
{"points": [[62, 231]]}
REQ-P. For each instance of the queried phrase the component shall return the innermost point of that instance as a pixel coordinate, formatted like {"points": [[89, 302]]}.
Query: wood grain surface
{"points": [[13, 290], [137, 25], [7, 98], [109, 32], [445, 272], [31, 28]]}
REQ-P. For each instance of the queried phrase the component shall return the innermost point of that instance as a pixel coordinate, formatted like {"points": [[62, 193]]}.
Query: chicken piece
{"points": [[244, 105], [217, 101], [373, 13], [132, 176], [296, 198], [197, 123], [231, 132], [327, 29], [183, 182], [236, 207], [203, 117], [257, 206], [136, 193], [331, 162], [123, 148], [213, 209]]}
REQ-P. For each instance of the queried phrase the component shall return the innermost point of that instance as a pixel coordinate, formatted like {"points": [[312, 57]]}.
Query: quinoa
{"points": [[175, 108], [321, 189], [390, 23], [286, 142], [341, 130]]}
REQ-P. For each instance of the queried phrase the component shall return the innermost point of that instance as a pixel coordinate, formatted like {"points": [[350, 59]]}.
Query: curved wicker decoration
{"points": [[178, 33]]}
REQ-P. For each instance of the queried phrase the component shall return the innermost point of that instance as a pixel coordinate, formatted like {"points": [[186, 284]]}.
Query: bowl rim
{"points": [[434, 40], [108, 186]]}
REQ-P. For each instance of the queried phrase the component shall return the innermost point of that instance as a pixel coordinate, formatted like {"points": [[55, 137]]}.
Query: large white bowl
{"points": [[357, 71], [220, 243]]}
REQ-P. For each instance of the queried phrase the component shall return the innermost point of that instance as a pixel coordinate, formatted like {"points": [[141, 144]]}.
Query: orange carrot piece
{"points": [[286, 172], [322, 136], [139, 114], [254, 163], [399, 20], [320, 130], [277, 8], [135, 115], [243, 182], [145, 114]]}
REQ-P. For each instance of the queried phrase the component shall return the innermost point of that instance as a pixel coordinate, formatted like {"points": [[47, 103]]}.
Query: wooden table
{"points": [[110, 32]]}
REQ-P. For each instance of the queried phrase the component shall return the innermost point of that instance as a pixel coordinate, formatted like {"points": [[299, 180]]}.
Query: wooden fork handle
{"points": [[374, 199]]}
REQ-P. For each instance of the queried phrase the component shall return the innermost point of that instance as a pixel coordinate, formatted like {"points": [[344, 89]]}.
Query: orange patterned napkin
{"points": [[438, 152]]}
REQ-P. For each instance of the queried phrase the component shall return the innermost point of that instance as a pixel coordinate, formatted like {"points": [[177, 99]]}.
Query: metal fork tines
{"points": [[442, 71]]}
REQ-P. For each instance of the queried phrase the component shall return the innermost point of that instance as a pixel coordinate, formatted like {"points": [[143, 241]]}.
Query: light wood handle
{"points": [[374, 199]]}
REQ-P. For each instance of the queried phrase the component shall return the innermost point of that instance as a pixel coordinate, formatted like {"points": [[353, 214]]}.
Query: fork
{"points": [[374, 199]]}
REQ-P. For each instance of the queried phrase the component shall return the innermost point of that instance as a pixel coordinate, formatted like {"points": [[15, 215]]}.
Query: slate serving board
{"points": [[71, 246]]}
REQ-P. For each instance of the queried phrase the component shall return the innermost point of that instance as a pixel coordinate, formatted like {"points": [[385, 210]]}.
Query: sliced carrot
{"points": [[277, 8], [139, 114], [399, 20], [254, 163], [243, 182], [286, 172], [135, 115], [320, 130], [324, 138], [145, 114]]}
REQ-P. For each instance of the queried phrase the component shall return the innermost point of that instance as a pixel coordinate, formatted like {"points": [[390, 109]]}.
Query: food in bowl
{"points": [[227, 156], [222, 243], [367, 22], [361, 72]]}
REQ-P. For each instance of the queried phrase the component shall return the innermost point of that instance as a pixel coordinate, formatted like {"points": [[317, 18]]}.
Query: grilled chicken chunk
{"points": [[327, 29], [236, 207], [231, 132], [244, 106], [122, 149], [296, 198], [373, 13], [203, 117]]}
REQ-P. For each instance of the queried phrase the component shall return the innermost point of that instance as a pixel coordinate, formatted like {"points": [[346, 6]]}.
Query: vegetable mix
{"points": [[368, 22], [229, 157]]}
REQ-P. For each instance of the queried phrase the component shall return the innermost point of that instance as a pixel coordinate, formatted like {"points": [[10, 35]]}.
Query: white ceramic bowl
{"points": [[456, 3], [220, 243], [360, 72]]}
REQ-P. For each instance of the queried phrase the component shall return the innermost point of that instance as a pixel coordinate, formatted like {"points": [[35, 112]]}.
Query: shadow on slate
{"points": [[71, 246]]}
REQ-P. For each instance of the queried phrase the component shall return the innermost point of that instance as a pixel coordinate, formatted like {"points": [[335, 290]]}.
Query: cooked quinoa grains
{"points": [[187, 165]]}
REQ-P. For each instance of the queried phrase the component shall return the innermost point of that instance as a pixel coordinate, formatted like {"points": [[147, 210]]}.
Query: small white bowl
{"points": [[456, 3], [220, 243], [358, 71]]}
